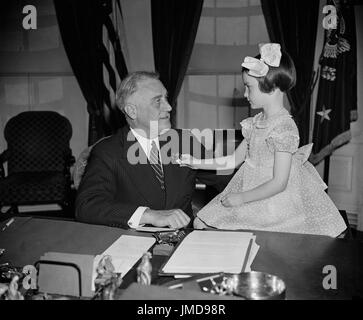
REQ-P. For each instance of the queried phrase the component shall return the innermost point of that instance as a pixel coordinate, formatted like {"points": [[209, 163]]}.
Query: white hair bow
{"points": [[270, 56]]}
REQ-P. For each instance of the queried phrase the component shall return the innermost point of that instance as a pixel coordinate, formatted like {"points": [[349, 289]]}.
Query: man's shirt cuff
{"points": [[134, 221]]}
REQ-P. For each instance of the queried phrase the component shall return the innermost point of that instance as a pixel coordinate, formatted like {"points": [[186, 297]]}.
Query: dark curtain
{"points": [[174, 27], [293, 24], [80, 24]]}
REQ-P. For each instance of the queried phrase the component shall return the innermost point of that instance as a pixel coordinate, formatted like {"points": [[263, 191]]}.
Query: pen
{"points": [[8, 224], [175, 286]]}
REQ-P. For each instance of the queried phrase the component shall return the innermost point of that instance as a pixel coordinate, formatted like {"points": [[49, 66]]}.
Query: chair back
{"points": [[38, 141]]}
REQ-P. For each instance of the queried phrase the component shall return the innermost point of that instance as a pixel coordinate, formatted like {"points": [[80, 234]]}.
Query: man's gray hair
{"points": [[129, 85]]}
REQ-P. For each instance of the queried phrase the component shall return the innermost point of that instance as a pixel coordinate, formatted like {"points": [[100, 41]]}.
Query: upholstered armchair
{"points": [[81, 163], [38, 158]]}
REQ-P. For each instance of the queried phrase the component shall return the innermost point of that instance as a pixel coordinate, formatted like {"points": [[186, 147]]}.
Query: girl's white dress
{"points": [[303, 207]]}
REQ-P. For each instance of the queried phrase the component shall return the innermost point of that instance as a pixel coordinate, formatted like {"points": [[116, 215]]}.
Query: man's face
{"points": [[153, 109]]}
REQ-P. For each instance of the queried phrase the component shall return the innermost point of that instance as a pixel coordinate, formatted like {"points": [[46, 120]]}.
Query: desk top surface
{"points": [[296, 258]]}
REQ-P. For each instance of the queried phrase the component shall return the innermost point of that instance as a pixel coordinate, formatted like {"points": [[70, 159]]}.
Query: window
{"points": [[212, 93]]}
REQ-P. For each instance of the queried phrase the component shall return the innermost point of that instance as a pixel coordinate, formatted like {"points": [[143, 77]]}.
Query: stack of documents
{"points": [[212, 252], [125, 252]]}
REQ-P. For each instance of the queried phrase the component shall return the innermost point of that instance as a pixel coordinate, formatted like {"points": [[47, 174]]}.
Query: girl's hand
{"points": [[232, 200], [186, 160]]}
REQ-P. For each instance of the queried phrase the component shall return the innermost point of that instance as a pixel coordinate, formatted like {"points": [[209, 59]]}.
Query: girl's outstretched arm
{"points": [[281, 173], [221, 163]]}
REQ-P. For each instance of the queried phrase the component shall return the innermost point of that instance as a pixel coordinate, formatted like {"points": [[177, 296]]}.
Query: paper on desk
{"points": [[182, 276], [253, 252], [212, 251], [125, 252], [153, 229]]}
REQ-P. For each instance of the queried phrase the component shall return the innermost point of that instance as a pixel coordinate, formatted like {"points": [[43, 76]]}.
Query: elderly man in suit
{"points": [[130, 179]]}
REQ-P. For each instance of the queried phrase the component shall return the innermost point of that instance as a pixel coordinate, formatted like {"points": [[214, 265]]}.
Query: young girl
{"points": [[276, 188]]}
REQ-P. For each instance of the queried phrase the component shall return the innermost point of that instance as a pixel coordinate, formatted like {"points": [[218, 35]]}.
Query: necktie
{"points": [[156, 164]]}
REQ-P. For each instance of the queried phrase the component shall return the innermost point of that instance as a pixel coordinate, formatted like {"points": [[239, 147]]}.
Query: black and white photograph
{"points": [[183, 156]]}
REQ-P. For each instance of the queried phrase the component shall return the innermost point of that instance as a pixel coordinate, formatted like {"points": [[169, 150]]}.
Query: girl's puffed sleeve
{"points": [[246, 125], [284, 137]]}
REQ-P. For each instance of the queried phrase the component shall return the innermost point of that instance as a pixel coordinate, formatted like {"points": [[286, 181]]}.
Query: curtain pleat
{"points": [[293, 24], [174, 27], [82, 26]]}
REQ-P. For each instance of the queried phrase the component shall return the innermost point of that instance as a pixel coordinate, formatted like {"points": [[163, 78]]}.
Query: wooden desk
{"points": [[298, 259]]}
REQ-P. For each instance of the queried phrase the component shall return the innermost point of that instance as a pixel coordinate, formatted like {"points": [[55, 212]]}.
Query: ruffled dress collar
{"points": [[260, 122]]}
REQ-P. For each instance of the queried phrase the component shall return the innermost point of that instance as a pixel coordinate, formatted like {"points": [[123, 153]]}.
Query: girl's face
{"points": [[255, 97]]}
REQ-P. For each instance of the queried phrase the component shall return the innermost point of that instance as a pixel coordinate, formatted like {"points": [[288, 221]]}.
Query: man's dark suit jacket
{"points": [[112, 188]]}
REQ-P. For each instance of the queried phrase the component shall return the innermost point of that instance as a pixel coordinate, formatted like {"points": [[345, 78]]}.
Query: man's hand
{"points": [[186, 160], [232, 200], [174, 218]]}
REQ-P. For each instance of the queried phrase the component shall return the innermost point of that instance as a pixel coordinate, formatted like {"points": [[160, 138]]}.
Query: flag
{"points": [[114, 57], [336, 104]]}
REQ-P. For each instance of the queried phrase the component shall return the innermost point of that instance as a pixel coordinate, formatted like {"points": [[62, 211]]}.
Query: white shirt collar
{"points": [[145, 142]]}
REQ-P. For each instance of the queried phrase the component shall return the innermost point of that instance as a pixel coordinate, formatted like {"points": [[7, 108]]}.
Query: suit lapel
{"points": [[139, 170]]}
